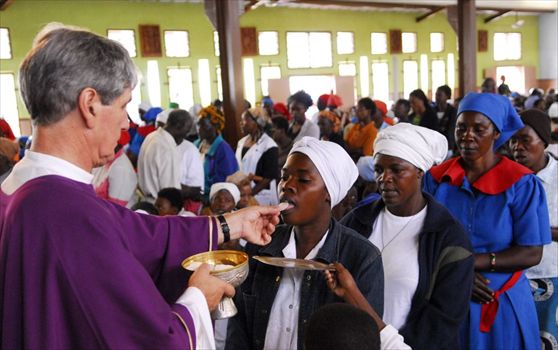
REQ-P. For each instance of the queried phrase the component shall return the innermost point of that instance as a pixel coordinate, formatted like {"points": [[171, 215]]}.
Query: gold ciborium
{"points": [[230, 266]]}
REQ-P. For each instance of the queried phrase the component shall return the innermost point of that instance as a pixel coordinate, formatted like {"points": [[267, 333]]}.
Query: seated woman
{"points": [[275, 304], [427, 256], [218, 157], [300, 126], [329, 124], [256, 154], [503, 207]]}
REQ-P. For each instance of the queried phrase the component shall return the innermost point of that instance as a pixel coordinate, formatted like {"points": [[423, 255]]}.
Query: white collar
{"points": [[548, 173], [35, 165], [290, 249]]}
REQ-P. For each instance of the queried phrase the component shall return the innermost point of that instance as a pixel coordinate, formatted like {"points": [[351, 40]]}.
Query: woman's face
{"points": [[297, 110], [207, 130], [222, 202], [326, 126], [302, 186], [247, 124], [416, 104], [245, 194], [475, 135], [398, 180]]}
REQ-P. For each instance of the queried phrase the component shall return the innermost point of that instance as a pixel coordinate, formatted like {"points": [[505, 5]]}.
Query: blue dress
{"points": [[506, 206]]}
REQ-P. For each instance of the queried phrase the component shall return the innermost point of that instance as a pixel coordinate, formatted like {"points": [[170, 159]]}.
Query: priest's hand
{"points": [[212, 288], [255, 224]]}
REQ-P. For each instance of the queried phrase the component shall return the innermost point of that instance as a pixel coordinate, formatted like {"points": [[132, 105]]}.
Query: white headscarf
{"points": [[218, 186], [419, 146], [337, 169]]}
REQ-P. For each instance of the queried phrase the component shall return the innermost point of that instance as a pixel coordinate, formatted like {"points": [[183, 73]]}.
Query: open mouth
{"points": [[286, 205]]}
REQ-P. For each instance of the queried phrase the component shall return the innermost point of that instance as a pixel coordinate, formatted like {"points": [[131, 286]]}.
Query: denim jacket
{"points": [[255, 298]]}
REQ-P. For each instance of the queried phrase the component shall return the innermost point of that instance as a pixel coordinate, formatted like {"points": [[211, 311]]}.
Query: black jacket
{"points": [[441, 300], [255, 298]]}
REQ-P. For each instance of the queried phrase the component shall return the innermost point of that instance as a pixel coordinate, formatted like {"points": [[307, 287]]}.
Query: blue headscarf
{"points": [[152, 113], [498, 109]]}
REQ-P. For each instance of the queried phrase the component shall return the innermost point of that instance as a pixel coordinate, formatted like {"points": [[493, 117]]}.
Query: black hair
{"points": [[367, 103], [300, 97], [173, 195], [280, 123], [446, 90], [404, 102], [146, 206], [178, 118], [341, 326], [418, 93], [217, 103]]}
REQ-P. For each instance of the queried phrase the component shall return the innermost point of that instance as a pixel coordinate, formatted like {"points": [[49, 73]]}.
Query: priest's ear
{"points": [[89, 102]]}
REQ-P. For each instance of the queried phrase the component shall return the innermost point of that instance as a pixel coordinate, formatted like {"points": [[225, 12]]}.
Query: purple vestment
{"points": [[77, 271]]}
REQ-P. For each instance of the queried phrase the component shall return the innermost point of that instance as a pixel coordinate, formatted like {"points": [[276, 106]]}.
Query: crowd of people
{"points": [[439, 219]]}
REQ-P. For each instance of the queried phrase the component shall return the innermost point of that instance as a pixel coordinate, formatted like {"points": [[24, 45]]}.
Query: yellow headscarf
{"points": [[216, 117]]}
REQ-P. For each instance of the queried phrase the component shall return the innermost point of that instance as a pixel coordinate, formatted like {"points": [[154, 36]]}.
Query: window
{"points": [[438, 73], [424, 69], [204, 81], [132, 107], [364, 77], [8, 102], [216, 43], [380, 81], [153, 83], [345, 43], [507, 46], [249, 80], [125, 37], [5, 46], [378, 42], [451, 70], [436, 42], [268, 43], [410, 77], [177, 43], [266, 73], [309, 50], [180, 87], [409, 42], [347, 69], [219, 83], [314, 85]]}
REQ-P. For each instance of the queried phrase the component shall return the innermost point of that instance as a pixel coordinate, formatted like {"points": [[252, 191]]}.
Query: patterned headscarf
{"points": [[334, 119], [215, 116]]}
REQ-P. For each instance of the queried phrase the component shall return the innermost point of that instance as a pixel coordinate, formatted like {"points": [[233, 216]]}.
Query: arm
{"points": [[225, 164]]}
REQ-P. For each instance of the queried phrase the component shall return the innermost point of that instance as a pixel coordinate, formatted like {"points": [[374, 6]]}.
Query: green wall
{"points": [[25, 17]]}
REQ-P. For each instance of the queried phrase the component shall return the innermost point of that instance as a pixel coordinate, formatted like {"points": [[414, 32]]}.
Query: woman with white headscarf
{"points": [[425, 251], [257, 155], [276, 303]]}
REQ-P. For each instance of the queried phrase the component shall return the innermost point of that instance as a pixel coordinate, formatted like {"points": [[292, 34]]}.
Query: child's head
{"points": [[245, 189], [169, 201], [223, 197], [341, 326]]}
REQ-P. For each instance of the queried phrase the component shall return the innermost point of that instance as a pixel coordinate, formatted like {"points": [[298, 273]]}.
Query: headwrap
{"points": [[334, 101], [498, 109], [417, 145], [163, 116], [259, 115], [230, 187], [282, 109], [144, 106], [539, 121], [381, 106], [553, 110], [337, 169], [152, 113], [365, 167], [124, 138], [174, 105], [215, 116], [267, 101], [333, 117]]}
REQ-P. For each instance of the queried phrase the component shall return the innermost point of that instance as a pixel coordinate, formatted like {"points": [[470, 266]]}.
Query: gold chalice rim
{"points": [[215, 255]]}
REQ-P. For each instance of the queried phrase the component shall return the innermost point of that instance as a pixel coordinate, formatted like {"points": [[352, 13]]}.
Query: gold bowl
{"points": [[235, 274]]}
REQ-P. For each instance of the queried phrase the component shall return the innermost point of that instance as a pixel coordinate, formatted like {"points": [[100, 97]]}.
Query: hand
{"points": [[481, 293], [212, 288], [342, 283], [255, 224]]}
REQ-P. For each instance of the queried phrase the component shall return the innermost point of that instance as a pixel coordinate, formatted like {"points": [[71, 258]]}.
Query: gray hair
{"points": [[65, 60]]}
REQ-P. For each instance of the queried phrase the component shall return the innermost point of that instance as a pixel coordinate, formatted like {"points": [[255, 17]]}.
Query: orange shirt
{"points": [[362, 137]]}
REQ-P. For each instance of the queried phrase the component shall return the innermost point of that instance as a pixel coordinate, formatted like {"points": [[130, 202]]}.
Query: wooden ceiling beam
{"points": [[493, 17], [4, 4], [429, 13]]}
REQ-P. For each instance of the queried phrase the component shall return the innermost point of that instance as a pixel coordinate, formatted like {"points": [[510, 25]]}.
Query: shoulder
{"points": [[446, 228]]}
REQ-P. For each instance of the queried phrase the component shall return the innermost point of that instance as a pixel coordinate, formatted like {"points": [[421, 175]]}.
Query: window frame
{"points": [[268, 65], [416, 43], [443, 42], [308, 33], [135, 39], [520, 46], [9, 44], [278, 43], [337, 45], [167, 69], [187, 38]]}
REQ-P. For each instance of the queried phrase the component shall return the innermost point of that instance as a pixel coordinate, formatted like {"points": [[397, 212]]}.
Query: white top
{"points": [[548, 267], [390, 339], [282, 328], [308, 129], [122, 179], [35, 165], [192, 165], [397, 239], [159, 164]]}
